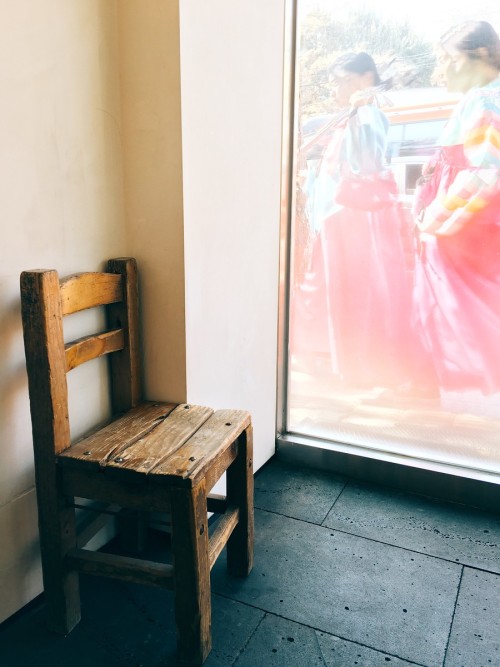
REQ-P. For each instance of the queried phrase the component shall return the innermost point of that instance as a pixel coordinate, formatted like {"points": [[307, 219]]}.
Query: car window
{"points": [[416, 138]]}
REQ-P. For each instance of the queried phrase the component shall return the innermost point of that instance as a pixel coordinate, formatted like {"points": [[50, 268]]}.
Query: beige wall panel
{"points": [[151, 112], [61, 206]]}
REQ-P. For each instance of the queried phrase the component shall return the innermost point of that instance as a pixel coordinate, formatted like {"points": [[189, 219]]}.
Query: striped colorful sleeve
{"points": [[474, 188], [471, 192]]}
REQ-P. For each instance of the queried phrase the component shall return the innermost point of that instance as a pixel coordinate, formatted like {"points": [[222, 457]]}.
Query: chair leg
{"points": [[191, 573], [61, 588], [133, 528], [240, 492]]}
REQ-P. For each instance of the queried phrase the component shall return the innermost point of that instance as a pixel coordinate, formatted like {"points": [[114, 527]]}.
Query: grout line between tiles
{"points": [[415, 551], [453, 616], [476, 568], [312, 627], [288, 516], [387, 544], [335, 501], [243, 648], [319, 648]]}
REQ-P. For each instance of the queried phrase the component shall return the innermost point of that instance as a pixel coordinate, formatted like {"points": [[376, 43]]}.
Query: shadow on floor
{"points": [[345, 574]]}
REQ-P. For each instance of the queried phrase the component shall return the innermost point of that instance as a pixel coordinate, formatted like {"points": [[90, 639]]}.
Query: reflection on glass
{"points": [[395, 289]]}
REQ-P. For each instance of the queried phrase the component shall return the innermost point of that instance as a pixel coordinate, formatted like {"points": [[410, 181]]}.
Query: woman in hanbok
{"points": [[359, 286], [458, 213]]}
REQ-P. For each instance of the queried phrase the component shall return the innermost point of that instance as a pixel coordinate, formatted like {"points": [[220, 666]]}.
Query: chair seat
{"points": [[165, 442]]}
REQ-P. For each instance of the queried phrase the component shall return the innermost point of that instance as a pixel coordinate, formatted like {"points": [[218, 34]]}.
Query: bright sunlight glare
{"points": [[428, 17]]}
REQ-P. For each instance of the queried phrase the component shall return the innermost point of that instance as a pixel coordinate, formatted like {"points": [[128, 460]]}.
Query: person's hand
{"points": [[360, 98]]}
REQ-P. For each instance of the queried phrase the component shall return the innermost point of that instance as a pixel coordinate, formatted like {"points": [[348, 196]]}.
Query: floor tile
{"points": [[26, 642], [136, 622], [145, 632], [123, 625], [339, 653], [281, 643], [380, 586], [475, 633], [350, 587], [446, 530], [232, 626], [297, 492]]}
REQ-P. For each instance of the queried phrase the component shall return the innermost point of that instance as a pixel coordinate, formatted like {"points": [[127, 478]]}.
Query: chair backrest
{"points": [[45, 301]]}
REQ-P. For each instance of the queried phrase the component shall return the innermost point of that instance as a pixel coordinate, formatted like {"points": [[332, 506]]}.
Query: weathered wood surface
{"points": [[161, 443], [45, 362], [90, 347], [134, 570], [191, 572], [202, 452], [181, 444], [97, 449], [125, 366], [240, 492], [87, 290], [223, 530], [46, 365], [95, 485]]}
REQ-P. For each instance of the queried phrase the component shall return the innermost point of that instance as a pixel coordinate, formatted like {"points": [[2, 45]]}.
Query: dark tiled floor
{"points": [[345, 574]]}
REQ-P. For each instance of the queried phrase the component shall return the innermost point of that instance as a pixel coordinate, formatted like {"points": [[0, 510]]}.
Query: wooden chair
{"points": [[151, 456]]}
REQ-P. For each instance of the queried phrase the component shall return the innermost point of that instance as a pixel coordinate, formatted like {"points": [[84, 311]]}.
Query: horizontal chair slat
{"points": [[225, 526], [216, 503], [134, 570], [83, 483], [90, 347], [87, 290]]}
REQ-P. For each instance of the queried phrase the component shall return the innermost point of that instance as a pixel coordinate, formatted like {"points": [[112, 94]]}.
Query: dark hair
{"points": [[470, 36], [360, 63]]}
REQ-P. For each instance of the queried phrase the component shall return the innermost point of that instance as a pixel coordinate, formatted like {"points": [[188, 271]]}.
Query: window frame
{"points": [[309, 449]]}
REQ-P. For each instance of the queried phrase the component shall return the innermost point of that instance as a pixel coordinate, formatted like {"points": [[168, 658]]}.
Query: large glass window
{"points": [[394, 296]]}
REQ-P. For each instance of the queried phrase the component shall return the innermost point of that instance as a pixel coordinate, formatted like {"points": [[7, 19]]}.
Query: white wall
{"points": [[61, 206], [231, 79]]}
